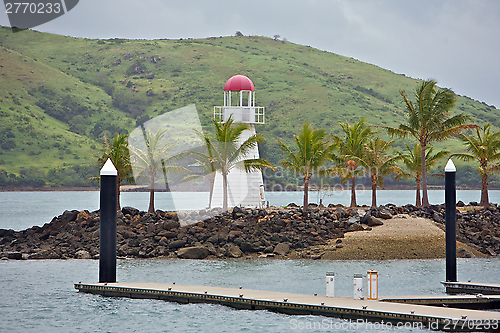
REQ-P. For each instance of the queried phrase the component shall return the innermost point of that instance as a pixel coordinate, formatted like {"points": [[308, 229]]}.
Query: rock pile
{"points": [[477, 227], [240, 232], [275, 231]]}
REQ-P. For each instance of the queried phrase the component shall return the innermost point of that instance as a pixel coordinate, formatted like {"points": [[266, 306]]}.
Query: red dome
{"points": [[239, 83]]}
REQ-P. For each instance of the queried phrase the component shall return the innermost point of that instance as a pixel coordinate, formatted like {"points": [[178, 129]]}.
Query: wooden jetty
{"points": [[455, 301], [375, 311], [472, 288]]}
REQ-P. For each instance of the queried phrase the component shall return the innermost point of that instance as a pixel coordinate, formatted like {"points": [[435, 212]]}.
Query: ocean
{"points": [[39, 296]]}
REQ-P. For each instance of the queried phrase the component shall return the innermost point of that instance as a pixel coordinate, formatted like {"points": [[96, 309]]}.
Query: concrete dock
{"points": [[472, 288], [387, 310]]}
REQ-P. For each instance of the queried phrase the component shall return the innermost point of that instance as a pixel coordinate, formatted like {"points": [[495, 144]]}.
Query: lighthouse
{"points": [[244, 189]]}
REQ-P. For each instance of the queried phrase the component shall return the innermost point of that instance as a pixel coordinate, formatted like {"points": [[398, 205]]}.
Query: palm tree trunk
{"points": [[418, 200], [353, 192], [485, 202], [224, 187], [306, 194], [425, 198], [212, 182], [374, 191], [118, 196], [151, 208]]}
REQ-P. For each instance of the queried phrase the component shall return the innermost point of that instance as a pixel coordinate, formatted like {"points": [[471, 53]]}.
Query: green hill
{"points": [[59, 95]]}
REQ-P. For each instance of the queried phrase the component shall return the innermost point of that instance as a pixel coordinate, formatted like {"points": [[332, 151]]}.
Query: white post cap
{"points": [[108, 169], [450, 167]]}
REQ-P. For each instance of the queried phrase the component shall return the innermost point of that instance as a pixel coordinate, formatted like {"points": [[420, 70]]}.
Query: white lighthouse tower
{"points": [[244, 189]]}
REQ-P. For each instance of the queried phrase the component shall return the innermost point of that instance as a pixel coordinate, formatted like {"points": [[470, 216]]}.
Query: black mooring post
{"points": [[107, 233], [450, 211]]}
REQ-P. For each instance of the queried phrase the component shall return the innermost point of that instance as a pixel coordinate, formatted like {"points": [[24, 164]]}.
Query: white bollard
{"points": [[372, 284], [330, 284], [358, 286]]}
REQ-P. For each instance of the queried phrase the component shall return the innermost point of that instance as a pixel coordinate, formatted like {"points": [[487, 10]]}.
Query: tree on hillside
{"points": [[313, 152], [238, 34], [377, 164], [484, 148], [153, 161], [412, 160], [429, 120], [349, 150], [205, 160], [227, 153], [118, 152]]}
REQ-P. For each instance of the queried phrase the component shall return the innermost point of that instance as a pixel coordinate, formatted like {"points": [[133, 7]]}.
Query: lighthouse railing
{"points": [[245, 114]]}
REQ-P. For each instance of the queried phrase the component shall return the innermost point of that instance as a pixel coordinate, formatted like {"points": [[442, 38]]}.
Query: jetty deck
{"points": [[472, 288], [435, 317]]}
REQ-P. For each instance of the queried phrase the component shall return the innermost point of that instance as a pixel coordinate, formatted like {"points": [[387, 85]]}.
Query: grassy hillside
{"points": [[59, 95]]}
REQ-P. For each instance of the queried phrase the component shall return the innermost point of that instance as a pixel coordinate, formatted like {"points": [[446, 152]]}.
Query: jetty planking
{"points": [[388, 310]]}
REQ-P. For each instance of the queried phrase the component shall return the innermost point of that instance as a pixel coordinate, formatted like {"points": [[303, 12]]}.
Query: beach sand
{"points": [[402, 237]]}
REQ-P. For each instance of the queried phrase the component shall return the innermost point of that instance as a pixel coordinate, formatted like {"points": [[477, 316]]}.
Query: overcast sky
{"points": [[456, 42]]}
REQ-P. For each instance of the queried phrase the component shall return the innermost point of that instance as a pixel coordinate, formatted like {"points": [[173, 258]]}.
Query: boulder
{"points": [[170, 225], [373, 222], [130, 210], [282, 249], [364, 218], [82, 254], [68, 216], [356, 227], [176, 244], [14, 255], [193, 252], [233, 251], [385, 214]]}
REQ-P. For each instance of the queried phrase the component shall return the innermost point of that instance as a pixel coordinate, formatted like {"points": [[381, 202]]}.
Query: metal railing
{"points": [[245, 114]]}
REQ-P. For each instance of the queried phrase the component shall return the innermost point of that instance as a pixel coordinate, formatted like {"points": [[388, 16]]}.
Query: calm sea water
{"points": [[22, 210], [38, 296]]}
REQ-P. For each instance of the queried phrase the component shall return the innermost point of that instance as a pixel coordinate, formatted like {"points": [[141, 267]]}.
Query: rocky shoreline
{"points": [[272, 232]]}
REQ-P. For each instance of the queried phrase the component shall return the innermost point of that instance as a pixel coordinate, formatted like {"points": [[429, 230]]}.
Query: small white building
{"points": [[244, 189]]}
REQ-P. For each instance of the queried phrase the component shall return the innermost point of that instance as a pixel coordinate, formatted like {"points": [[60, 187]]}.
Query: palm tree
{"points": [[429, 120], [377, 163], [350, 149], [119, 154], [484, 148], [152, 162], [204, 159], [313, 152], [227, 153], [412, 162]]}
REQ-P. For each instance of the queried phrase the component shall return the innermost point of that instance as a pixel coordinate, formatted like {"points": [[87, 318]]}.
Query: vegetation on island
{"points": [[60, 96], [484, 148], [314, 150]]}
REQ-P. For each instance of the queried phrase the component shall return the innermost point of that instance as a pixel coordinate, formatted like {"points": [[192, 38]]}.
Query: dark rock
{"points": [[177, 244], [170, 225], [233, 251], [193, 252], [373, 222], [355, 227], [364, 218], [282, 249], [247, 247], [14, 255], [130, 210], [68, 216], [384, 214]]}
